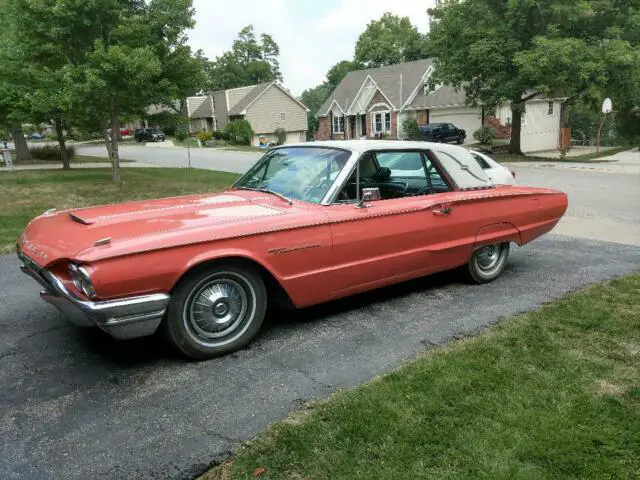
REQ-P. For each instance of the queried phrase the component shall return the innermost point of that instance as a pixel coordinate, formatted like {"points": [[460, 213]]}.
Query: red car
{"points": [[307, 224]]}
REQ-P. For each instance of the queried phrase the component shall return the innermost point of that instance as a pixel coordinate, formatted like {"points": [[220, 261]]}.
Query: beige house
{"points": [[266, 106]]}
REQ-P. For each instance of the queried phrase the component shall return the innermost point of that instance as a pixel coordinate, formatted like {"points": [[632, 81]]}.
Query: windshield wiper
{"points": [[266, 190]]}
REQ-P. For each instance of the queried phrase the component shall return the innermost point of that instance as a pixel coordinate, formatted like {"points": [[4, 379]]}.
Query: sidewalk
{"points": [[627, 162]]}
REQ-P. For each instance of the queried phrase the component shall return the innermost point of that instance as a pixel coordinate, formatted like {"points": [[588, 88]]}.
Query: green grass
{"points": [[76, 159], [552, 394], [29, 193]]}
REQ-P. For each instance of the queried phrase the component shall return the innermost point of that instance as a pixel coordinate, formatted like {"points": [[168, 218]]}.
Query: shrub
{"points": [[240, 132], [485, 135], [219, 135], [181, 135], [51, 152], [410, 129], [281, 135], [204, 136], [51, 137]]}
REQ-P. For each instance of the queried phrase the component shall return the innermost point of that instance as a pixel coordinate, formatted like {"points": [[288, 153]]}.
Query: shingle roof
{"points": [[445, 96], [388, 81], [205, 110], [238, 108], [220, 109]]}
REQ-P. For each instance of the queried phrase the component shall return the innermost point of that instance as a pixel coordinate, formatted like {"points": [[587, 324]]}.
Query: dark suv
{"points": [[442, 132], [148, 135]]}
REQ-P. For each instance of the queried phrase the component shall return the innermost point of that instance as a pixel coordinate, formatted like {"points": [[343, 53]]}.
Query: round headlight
{"points": [[81, 280], [85, 280]]}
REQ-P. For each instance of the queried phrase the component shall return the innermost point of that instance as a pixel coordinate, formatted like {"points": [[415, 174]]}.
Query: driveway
{"points": [[76, 404]]}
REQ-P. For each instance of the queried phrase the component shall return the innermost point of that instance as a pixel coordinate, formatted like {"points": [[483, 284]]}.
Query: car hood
{"points": [[89, 234]]}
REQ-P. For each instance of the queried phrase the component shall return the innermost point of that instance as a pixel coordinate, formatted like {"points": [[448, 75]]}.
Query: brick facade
{"points": [[503, 132], [324, 130]]}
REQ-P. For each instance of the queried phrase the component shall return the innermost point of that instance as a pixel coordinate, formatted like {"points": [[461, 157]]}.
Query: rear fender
{"points": [[498, 233]]}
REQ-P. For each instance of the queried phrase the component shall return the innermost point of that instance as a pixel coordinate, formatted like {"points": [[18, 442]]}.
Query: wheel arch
{"points": [[498, 233], [276, 292]]}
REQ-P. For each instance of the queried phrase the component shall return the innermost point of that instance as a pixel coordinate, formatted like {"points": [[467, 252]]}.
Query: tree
{"points": [[14, 84], [313, 98], [513, 50], [389, 40], [248, 62], [121, 55], [339, 71]]}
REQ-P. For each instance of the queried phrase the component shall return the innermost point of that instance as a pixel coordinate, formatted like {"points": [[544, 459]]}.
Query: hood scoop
{"points": [[77, 219]]}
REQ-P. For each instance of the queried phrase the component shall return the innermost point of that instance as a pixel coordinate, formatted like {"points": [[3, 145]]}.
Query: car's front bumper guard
{"points": [[123, 319]]}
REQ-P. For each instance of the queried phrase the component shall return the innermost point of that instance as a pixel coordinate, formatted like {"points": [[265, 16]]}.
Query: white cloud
{"points": [[309, 44]]}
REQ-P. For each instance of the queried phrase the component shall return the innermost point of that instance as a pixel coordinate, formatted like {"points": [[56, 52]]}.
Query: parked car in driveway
{"points": [[149, 135], [305, 225], [443, 132], [499, 174]]}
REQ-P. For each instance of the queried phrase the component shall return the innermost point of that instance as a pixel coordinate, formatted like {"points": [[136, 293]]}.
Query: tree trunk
{"points": [[115, 133], [516, 128], [22, 149], [63, 147]]}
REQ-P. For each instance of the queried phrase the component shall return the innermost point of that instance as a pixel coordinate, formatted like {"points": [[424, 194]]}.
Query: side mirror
{"points": [[368, 195]]}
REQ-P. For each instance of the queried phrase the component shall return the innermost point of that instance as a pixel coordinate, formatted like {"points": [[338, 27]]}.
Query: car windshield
{"points": [[301, 173]]}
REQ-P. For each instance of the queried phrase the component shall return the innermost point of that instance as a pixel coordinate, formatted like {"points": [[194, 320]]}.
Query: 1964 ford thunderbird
{"points": [[307, 224]]}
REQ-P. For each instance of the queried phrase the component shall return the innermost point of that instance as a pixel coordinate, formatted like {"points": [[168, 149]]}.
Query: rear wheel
{"points": [[216, 310], [460, 140], [488, 262]]}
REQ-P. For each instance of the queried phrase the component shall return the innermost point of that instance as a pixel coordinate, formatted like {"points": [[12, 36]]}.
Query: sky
{"points": [[313, 35]]}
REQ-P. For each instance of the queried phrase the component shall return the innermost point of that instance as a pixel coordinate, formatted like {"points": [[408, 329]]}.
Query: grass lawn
{"points": [[551, 394], [29, 193]]}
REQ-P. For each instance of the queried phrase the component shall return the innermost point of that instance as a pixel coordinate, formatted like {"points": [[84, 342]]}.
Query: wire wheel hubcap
{"points": [[488, 258], [217, 308]]}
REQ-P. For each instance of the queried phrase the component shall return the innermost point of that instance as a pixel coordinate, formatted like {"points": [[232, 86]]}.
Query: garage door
{"points": [[469, 119]]}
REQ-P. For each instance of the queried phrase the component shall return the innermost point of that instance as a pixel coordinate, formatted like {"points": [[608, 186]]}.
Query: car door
{"points": [[391, 239]]}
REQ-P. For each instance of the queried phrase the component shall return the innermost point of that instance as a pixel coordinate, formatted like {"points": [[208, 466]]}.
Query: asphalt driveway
{"points": [[75, 404]]}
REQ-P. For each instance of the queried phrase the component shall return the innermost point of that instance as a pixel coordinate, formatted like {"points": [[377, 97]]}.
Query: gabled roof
{"points": [[445, 96], [248, 98], [386, 78], [205, 110]]}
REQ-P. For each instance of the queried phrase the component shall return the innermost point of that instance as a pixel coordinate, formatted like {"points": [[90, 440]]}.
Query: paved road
{"points": [[75, 404], [207, 158]]}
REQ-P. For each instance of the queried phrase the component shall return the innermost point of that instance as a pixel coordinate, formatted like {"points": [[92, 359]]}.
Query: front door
{"points": [[395, 236]]}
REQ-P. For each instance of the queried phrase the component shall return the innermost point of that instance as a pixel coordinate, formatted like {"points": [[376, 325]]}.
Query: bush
{"points": [[204, 136], [410, 129], [51, 137], [181, 135], [219, 135], [281, 135], [51, 152], [240, 132], [485, 135]]}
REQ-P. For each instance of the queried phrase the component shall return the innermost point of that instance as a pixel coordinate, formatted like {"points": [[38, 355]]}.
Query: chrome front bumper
{"points": [[122, 319]]}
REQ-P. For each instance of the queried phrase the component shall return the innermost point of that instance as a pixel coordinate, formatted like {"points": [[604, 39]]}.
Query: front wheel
{"points": [[488, 262], [216, 310], [460, 140]]}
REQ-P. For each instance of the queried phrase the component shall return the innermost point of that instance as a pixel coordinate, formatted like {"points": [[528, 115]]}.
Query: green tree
{"points": [[389, 40], [313, 98], [249, 61], [121, 56], [513, 50]]}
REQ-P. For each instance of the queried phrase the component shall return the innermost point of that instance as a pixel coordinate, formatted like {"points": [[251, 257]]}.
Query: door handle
{"points": [[442, 210]]}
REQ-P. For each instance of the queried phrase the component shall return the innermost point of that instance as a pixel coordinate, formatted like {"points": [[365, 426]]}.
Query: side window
{"points": [[481, 161], [402, 164]]}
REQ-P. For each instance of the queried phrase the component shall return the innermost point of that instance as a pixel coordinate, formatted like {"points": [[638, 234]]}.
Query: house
{"points": [[267, 106], [375, 102]]}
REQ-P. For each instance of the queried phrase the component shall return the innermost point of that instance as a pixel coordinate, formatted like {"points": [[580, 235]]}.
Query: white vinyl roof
{"points": [[457, 160]]}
